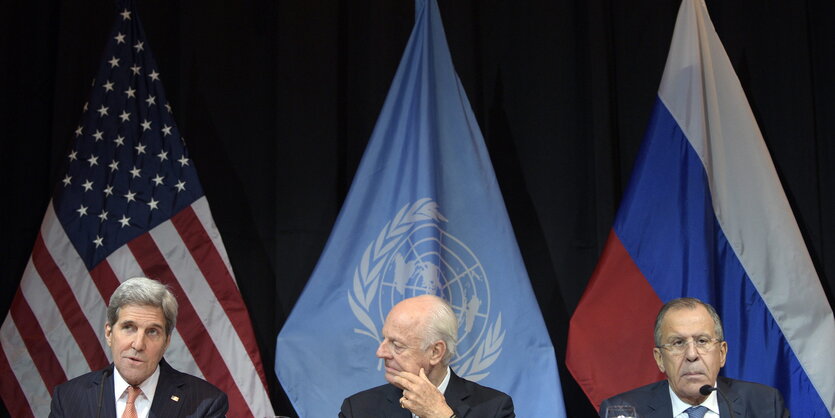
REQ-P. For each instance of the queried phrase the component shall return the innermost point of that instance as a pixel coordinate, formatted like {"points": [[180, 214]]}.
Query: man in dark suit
{"points": [[140, 318], [690, 349], [419, 338]]}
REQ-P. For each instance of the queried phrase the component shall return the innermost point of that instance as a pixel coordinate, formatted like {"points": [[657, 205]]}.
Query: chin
{"points": [[132, 379], [392, 382], [694, 378], [692, 388]]}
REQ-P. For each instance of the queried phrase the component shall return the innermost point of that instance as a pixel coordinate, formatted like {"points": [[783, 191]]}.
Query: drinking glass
{"points": [[621, 411]]}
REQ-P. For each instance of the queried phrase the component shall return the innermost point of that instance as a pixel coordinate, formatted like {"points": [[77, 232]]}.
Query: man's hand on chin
{"points": [[420, 396]]}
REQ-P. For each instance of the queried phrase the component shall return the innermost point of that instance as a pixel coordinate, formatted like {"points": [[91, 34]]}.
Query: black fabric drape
{"points": [[277, 100]]}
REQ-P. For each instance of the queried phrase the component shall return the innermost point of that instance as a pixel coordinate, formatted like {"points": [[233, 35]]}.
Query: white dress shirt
{"points": [[679, 406], [143, 401]]}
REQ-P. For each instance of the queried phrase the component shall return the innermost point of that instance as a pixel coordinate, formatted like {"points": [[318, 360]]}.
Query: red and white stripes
{"points": [[54, 329]]}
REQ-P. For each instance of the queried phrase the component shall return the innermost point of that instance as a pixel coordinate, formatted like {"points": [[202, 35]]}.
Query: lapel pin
{"points": [[175, 398]]}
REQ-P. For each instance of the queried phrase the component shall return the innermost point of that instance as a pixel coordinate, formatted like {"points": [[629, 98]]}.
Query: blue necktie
{"points": [[696, 411]]}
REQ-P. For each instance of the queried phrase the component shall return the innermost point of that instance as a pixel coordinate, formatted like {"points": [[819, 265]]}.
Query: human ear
{"points": [[438, 351], [108, 330], [656, 353]]}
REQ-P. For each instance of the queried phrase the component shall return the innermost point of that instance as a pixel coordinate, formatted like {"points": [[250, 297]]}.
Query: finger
{"points": [[407, 403], [425, 377], [409, 375], [401, 381], [407, 379], [410, 388]]}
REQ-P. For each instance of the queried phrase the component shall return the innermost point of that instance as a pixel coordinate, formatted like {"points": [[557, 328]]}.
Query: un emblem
{"points": [[413, 255]]}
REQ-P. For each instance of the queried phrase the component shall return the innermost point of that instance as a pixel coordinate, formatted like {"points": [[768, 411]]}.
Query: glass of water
{"points": [[621, 411]]}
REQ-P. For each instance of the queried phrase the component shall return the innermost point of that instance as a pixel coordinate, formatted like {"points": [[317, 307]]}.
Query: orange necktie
{"points": [[130, 408]]}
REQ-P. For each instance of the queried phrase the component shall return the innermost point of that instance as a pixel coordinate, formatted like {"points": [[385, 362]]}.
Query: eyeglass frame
{"points": [[705, 347]]}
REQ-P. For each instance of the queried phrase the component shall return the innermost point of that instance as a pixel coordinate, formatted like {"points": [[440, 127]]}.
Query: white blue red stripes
{"points": [[782, 292], [669, 229], [705, 216]]}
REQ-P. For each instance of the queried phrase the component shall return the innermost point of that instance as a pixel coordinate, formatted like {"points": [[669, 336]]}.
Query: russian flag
{"points": [[705, 216]]}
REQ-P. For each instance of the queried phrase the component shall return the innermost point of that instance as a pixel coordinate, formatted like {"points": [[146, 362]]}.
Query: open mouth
{"points": [[134, 360]]}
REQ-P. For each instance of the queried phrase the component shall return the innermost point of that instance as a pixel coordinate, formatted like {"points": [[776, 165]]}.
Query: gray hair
{"points": [[442, 324], [143, 291], [687, 303]]}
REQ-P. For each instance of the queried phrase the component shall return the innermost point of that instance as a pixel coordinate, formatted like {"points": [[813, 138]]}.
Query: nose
{"points": [[138, 342], [383, 351], [690, 351]]}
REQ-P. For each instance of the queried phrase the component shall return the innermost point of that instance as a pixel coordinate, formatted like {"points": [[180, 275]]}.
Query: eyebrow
{"points": [[131, 322], [679, 336]]}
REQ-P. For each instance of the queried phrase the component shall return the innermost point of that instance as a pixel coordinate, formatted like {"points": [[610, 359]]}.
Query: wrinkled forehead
{"points": [[687, 321], [403, 325], [141, 313]]}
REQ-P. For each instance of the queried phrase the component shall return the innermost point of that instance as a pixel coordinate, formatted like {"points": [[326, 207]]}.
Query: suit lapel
{"points": [[660, 404], [456, 394], [169, 392], [102, 389], [733, 397], [392, 408]]}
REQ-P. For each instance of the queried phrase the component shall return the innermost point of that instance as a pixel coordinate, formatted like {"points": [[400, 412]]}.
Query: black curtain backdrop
{"points": [[277, 100]]}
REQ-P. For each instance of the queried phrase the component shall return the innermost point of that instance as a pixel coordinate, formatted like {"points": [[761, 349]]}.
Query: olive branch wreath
{"points": [[368, 274]]}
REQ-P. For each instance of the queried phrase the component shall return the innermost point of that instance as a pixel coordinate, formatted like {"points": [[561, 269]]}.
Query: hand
{"points": [[421, 397]]}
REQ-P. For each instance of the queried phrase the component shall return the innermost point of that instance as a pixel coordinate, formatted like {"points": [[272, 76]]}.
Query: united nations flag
{"points": [[424, 215]]}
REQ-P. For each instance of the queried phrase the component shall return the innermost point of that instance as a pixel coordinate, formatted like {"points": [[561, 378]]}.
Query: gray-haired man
{"points": [[140, 318]]}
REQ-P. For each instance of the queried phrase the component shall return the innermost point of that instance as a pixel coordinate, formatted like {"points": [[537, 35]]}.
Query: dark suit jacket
{"points": [[466, 398], [196, 397], [747, 400]]}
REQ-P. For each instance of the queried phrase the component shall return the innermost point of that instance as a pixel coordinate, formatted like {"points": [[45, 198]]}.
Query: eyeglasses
{"points": [[703, 345]]}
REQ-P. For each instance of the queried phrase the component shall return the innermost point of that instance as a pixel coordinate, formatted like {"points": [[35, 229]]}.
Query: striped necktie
{"points": [[130, 408], [696, 411]]}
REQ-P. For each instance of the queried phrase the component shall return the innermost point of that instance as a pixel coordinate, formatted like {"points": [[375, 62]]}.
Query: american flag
{"points": [[129, 204]]}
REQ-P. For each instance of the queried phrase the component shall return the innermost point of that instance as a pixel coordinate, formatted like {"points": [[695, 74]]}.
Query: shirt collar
{"points": [[445, 382], [149, 386], [680, 406]]}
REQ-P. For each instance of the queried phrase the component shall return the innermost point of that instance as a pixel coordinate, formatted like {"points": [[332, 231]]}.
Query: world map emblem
{"points": [[414, 255]]}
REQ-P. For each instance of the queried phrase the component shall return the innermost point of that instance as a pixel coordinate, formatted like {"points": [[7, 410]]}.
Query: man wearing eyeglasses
{"points": [[690, 348]]}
